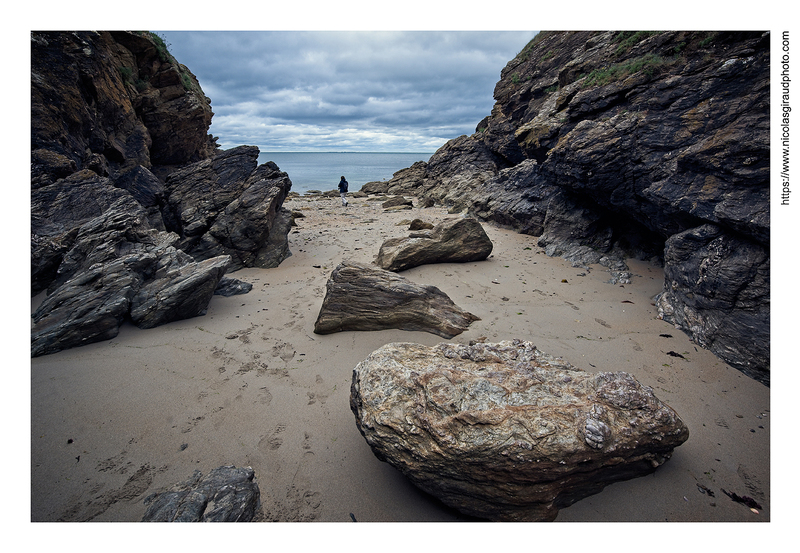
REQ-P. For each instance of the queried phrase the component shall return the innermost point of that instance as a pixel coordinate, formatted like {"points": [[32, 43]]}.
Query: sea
{"points": [[322, 170]]}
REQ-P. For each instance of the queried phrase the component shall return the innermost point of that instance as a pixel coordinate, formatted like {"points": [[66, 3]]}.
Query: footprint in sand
{"points": [[264, 396], [275, 440], [314, 396], [302, 502], [283, 350], [136, 485]]}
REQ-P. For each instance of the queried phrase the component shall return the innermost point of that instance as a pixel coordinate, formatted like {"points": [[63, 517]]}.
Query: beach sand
{"points": [[250, 384]]}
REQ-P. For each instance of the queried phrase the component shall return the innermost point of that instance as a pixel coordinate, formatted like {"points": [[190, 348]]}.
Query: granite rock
{"points": [[504, 431]]}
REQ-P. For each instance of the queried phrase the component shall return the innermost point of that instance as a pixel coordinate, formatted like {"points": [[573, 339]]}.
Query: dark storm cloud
{"points": [[368, 91]]}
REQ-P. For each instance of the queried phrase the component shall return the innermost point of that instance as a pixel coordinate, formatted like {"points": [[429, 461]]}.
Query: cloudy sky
{"points": [[385, 91]]}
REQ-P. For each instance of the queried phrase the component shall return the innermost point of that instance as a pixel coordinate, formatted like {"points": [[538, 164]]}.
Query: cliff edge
{"points": [[135, 213], [645, 144]]}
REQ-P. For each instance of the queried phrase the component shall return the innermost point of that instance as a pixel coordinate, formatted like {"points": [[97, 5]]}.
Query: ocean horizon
{"points": [[322, 170]]}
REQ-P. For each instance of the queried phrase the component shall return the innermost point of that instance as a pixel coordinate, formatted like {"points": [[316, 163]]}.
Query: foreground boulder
{"points": [[456, 240], [227, 494], [504, 431], [361, 297]]}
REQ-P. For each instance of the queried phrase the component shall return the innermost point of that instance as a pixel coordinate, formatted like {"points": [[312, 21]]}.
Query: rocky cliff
{"points": [[135, 213], [647, 144]]}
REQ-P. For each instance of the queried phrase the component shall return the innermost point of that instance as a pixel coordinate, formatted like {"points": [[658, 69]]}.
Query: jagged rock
{"points": [[706, 294], [504, 431], [454, 240], [232, 287], [403, 181], [361, 297], [180, 289], [90, 307], [114, 114], [617, 141], [119, 230], [228, 206], [227, 494], [117, 266], [58, 210]]}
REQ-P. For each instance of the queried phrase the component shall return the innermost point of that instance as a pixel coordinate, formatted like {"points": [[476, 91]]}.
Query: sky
{"points": [[368, 91]]}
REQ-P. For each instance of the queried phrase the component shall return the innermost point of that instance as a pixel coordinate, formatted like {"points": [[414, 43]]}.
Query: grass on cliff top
{"points": [[649, 64]]}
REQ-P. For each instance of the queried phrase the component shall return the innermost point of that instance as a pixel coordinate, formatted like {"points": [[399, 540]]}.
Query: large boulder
{"points": [[504, 431], [227, 494], [362, 297], [455, 240]]}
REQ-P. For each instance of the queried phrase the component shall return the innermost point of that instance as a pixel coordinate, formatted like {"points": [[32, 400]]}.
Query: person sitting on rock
{"points": [[343, 190]]}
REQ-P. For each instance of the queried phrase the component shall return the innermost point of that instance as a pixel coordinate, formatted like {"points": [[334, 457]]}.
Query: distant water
{"points": [[321, 171]]}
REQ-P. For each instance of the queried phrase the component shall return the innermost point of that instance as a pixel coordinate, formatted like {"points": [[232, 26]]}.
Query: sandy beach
{"points": [[250, 384]]}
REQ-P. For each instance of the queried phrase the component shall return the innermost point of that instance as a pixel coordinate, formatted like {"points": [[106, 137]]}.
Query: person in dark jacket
{"points": [[343, 191]]}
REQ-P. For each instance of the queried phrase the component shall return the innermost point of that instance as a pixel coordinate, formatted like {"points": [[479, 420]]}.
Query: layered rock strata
{"points": [[504, 431], [227, 494], [606, 144], [363, 297], [135, 213]]}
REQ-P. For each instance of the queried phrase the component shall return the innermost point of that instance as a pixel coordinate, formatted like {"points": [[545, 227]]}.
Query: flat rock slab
{"points": [[363, 297], [227, 494], [456, 240], [504, 431]]}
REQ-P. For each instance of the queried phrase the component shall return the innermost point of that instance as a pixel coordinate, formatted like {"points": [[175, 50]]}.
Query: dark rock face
{"points": [[228, 205], [706, 294], [118, 267], [110, 100], [616, 141], [504, 431], [361, 297], [135, 214], [227, 494], [457, 240]]}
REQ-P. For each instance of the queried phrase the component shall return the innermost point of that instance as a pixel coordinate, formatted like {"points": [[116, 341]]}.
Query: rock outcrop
{"points": [[401, 181], [362, 297], [227, 494], [504, 431], [615, 142], [457, 240], [135, 213], [228, 205]]}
